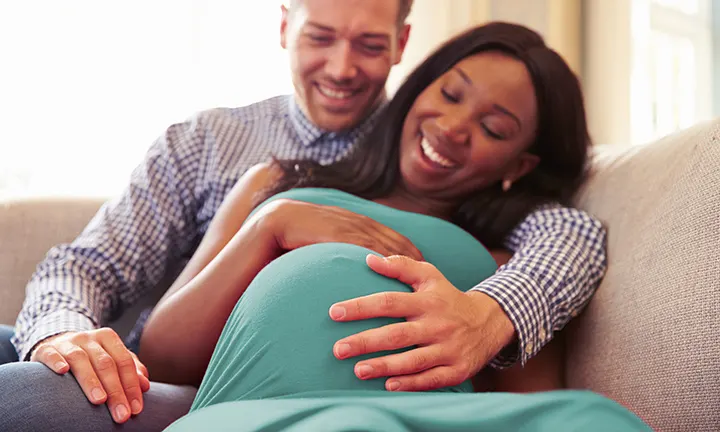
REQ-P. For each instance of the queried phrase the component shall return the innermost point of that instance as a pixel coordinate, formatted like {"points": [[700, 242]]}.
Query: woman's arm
{"points": [[181, 333], [233, 212]]}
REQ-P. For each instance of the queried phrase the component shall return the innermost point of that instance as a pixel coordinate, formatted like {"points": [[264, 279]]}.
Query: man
{"points": [[341, 54]]}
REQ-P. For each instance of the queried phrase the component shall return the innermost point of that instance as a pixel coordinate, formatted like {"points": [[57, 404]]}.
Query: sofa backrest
{"points": [[28, 229], [650, 336]]}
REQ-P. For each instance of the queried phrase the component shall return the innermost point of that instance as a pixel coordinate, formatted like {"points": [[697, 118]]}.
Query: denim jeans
{"points": [[34, 398], [7, 350]]}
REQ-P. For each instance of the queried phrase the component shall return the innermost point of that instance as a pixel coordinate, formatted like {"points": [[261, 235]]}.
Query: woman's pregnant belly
{"points": [[279, 338]]}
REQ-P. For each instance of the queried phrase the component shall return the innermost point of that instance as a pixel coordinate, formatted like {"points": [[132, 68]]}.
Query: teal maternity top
{"points": [[273, 367]]}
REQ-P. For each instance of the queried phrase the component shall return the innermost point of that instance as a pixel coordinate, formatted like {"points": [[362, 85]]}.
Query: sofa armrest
{"points": [[29, 227]]}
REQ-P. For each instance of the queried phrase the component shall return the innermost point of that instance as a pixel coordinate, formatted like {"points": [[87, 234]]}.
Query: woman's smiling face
{"points": [[470, 129]]}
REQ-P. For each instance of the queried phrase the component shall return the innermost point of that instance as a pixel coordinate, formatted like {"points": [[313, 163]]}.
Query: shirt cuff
{"points": [[522, 300], [50, 325]]}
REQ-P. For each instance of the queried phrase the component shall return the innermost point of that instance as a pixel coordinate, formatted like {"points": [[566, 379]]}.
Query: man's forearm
{"points": [[122, 252], [559, 259]]}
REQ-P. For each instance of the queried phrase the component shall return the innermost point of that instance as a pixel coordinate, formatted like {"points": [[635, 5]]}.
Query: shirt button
{"points": [[529, 348], [542, 335]]}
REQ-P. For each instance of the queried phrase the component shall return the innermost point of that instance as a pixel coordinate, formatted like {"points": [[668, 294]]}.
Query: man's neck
{"points": [[369, 116]]}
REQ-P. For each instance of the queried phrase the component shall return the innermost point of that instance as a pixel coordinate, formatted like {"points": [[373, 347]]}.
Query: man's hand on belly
{"points": [[455, 333]]}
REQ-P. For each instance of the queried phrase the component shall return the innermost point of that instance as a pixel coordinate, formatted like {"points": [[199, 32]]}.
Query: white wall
{"points": [[607, 65], [435, 21]]}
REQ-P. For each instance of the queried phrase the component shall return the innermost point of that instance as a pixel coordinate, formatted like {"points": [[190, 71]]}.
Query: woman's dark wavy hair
{"points": [[372, 169]]}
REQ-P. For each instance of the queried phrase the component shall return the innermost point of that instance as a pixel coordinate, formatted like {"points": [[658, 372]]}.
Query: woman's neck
{"points": [[401, 199]]}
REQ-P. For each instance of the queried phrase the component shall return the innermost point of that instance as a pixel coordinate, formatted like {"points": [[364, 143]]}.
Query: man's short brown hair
{"points": [[403, 12]]}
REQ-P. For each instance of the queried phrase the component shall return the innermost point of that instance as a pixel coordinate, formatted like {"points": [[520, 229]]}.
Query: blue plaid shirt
{"points": [[127, 248]]}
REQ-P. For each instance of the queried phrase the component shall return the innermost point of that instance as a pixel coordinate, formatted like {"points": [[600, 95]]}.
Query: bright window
{"points": [[86, 85], [690, 7], [672, 73], [674, 82]]}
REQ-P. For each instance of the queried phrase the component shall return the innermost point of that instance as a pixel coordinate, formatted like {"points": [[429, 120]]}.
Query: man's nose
{"points": [[340, 65]]}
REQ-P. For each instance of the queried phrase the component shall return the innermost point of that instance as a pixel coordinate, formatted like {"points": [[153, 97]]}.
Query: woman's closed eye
{"points": [[450, 97], [456, 98], [491, 133]]}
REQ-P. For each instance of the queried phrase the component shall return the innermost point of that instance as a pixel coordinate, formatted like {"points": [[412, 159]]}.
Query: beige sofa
{"points": [[649, 338]]}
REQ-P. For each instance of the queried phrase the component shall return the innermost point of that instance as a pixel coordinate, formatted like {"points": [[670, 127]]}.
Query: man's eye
{"points": [[320, 39], [375, 48]]}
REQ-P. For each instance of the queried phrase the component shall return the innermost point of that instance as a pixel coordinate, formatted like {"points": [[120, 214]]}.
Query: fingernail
{"points": [[364, 371], [393, 385], [342, 350], [98, 394], [337, 312], [121, 411], [59, 365], [136, 407]]}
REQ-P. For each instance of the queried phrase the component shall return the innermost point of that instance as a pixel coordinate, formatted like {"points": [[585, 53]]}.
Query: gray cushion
{"points": [[28, 229], [649, 338]]}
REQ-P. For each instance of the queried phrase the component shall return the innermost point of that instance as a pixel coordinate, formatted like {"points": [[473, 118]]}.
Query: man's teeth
{"points": [[434, 156], [335, 94]]}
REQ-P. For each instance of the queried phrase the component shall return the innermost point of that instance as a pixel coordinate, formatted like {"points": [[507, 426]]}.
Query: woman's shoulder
{"points": [[263, 174], [319, 195]]}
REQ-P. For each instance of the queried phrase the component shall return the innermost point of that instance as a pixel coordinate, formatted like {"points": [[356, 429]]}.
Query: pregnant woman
{"points": [[486, 129]]}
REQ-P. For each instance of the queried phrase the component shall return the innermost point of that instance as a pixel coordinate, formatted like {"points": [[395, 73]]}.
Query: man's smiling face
{"points": [[341, 53]]}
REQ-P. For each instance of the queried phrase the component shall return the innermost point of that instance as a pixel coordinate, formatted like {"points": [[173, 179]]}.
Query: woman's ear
{"points": [[525, 163]]}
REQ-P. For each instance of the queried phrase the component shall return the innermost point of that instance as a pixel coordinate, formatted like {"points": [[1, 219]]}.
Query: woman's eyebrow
{"points": [[463, 75], [498, 107]]}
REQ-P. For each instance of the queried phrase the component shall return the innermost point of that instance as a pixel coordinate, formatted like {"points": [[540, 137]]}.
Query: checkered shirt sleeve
{"points": [[558, 262], [123, 251]]}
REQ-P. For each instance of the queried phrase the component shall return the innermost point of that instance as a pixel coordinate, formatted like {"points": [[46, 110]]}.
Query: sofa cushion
{"points": [[649, 337], [28, 229]]}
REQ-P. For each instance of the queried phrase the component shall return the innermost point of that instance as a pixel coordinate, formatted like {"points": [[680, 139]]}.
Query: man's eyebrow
{"points": [[320, 26], [500, 108], [366, 35], [382, 36]]}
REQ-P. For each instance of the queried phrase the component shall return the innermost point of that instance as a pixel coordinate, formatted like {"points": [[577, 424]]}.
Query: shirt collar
{"points": [[309, 134]]}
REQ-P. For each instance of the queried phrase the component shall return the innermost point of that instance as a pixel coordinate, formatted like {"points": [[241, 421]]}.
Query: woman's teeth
{"points": [[335, 94], [434, 156]]}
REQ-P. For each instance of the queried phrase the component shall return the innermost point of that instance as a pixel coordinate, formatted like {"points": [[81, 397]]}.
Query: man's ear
{"points": [[402, 41], [524, 164], [284, 26]]}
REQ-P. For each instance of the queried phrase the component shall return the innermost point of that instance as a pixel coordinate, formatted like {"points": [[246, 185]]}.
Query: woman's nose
{"points": [[454, 128]]}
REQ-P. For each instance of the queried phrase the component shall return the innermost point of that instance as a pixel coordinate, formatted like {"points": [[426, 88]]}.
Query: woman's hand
{"points": [[295, 224], [105, 369]]}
